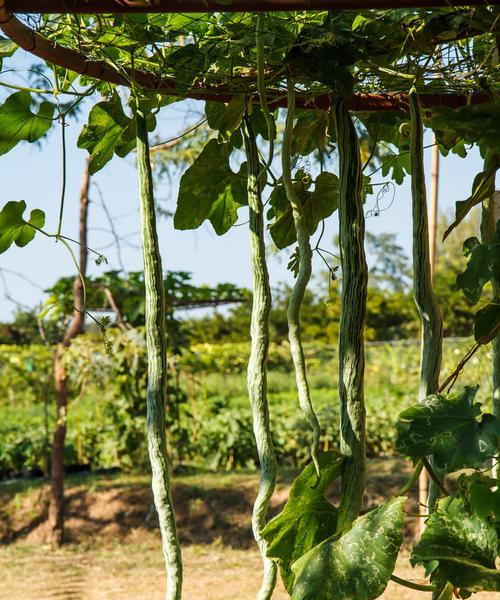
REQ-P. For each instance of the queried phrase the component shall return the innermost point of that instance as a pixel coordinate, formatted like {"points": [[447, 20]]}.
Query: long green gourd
{"points": [[303, 277], [157, 365], [352, 320], [257, 364], [488, 224], [425, 299]]}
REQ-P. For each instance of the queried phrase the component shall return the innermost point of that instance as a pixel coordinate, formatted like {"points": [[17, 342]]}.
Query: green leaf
{"points": [[482, 494], [472, 124], [229, 119], [464, 544], [356, 566], [483, 265], [14, 228], [7, 48], [209, 189], [482, 189], [487, 322], [449, 429], [18, 123], [309, 132], [108, 130], [447, 593], [399, 164], [307, 518], [317, 205]]}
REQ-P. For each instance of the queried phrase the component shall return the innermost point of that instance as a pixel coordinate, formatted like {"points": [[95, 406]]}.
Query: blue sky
{"points": [[32, 173]]}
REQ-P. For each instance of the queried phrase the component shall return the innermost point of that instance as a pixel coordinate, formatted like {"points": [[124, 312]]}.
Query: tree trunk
{"points": [[56, 507]]}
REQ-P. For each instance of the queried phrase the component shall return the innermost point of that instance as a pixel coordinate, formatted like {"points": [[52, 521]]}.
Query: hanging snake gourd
{"points": [[257, 364], [157, 365], [425, 299], [352, 320], [303, 277]]}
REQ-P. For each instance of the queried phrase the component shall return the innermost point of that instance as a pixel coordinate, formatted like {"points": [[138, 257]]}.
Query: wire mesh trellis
{"points": [[451, 54]]}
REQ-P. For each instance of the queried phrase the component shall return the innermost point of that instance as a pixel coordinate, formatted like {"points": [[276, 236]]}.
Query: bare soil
{"points": [[112, 548]]}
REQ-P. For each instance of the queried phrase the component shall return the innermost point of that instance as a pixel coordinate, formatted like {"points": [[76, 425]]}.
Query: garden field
{"points": [[214, 430]]}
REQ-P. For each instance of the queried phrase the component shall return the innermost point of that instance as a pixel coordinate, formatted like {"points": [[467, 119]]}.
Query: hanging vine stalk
{"points": [[425, 299], [488, 225], [303, 276], [157, 365], [261, 85], [257, 364], [352, 321]]}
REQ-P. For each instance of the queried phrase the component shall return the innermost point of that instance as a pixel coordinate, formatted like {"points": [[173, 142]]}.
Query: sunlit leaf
{"points": [[307, 518], [107, 130], [18, 123], [463, 543], [356, 566], [451, 428], [209, 189], [14, 228]]}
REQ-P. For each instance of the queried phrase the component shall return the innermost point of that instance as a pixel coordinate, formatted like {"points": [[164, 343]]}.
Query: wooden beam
{"points": [[204, 6], [70, 59]]}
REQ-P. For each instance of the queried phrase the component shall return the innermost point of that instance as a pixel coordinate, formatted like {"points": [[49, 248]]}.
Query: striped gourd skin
{"points": [[157, 366], [257, 364], [425, 299], [352, 321], [302, 280]]}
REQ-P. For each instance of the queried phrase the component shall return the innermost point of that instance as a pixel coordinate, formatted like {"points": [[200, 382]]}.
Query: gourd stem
{"points": [[157, 365], [261, 86], [425, 299], [412, 585], [434, 476], [412, 481], [303, 277], [257, 364], [352, 321]]}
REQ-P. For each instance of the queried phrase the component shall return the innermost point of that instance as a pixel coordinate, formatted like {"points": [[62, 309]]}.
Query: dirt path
{"points": [[135, 572]]}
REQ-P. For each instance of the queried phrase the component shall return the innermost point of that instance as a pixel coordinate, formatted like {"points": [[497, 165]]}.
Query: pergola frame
{"points": [[203, 6], [45, 49]]}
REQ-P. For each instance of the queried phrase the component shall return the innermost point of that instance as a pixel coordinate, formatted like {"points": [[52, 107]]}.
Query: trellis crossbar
{"points": [[204, 6]]}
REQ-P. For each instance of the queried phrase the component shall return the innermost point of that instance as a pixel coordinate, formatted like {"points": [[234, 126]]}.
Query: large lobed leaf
{"points": [[482, 266], [18, 123], [317, 205], [307, 518], [14, 228], [107, 131], [463, 544], [449, 428], [209, 189], [356, 566]]}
